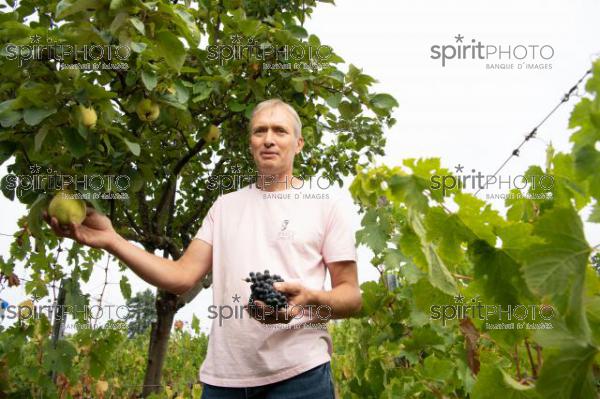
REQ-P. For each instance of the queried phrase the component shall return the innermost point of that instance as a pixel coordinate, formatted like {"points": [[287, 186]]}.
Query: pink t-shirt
{"points": [[291, 233]]}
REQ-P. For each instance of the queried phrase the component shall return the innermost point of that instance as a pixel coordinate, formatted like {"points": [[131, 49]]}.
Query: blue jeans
{"points": [[315, 383]]}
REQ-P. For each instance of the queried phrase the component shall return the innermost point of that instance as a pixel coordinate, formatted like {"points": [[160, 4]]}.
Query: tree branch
{"points": [[141, 196], [172, 180], [185, 227], [133, 223], [533, 367]]}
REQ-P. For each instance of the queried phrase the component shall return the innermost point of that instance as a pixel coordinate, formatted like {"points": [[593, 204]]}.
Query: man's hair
{"points": [[276, 102]]}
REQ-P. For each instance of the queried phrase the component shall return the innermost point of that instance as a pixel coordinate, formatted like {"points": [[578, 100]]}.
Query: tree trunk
{"points": [[166, 307]]}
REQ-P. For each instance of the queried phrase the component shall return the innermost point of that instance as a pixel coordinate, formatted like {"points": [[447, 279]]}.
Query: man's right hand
{"points": [[95, 231], [177, 277]]}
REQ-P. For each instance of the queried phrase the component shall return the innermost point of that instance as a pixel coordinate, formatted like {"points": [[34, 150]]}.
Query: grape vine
{"points": [[523, 280]]}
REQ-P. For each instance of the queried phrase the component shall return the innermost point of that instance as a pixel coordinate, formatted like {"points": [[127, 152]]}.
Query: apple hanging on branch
{"points": [[88, 116], [147, 110], [213, 134]]}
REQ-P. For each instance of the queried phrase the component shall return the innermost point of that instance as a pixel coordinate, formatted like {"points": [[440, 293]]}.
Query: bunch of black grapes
{"points": [[262, 289]]}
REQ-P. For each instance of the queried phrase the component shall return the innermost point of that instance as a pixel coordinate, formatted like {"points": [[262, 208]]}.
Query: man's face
{"points": [[272, 141]]}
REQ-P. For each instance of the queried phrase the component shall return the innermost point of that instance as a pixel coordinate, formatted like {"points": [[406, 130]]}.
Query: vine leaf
{"points": [[557, 267], [438, 272]]}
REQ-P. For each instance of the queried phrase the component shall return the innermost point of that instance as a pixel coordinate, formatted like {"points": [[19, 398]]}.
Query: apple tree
{"points": [[145, 105]]}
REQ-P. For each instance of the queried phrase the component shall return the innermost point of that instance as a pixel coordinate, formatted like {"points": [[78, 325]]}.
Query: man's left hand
{"points": [[298, 296]]}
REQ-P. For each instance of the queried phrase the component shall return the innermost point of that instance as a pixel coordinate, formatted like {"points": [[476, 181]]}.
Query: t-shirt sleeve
{"points": [[206, 231], [339, 242]]}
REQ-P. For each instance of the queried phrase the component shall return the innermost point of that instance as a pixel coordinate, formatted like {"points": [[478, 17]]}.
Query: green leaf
{"points": [[202, 91], [184, 21], [517, 236], [374, 233], [59, 359], [149, 79], [64, 8], [437, 369], [447, 232], [409, 189], [424, 338], [479, 217], [411, 246], [557, 267], [125, 287], [75, 298], [338, 75], [439, 274], [182, 93], [188, 26], [334, 100], [373, 295], [138, 47], [171, 48], [298, 84], [7, 149], [494, 383], [116, 4], [133, 147], [348, 110], [8, 116], [595, 214], [384, 101], [33, 116], [75, 143], [116, 24], [38, 140], [550, 266], [249, 27], [195, 324], [137, 24], [567, 185], [34, 218], [236, 107], [574, 366]]}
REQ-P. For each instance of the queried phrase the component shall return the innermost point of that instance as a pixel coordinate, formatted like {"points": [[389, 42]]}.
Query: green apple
{"points": [[147, 110], [213, 134], [73, 73], [88, 116], [67, 209]]}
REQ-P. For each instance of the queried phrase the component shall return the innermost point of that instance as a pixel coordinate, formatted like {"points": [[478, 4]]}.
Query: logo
{"points": [[55, 180], [298, 56], [496, 317], [236, 179], [285, 234], [85, 56], [317, 314], [496, 56], [477, 181]]}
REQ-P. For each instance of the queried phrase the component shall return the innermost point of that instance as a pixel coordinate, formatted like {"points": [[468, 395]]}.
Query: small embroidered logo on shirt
{"points": [[284, 233]]}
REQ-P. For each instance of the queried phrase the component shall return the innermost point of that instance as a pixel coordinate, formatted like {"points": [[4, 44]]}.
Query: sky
{"points": [[463, 112]]}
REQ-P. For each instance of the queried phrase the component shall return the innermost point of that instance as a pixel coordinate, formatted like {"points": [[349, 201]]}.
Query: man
{"points": [[260, 353]]}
